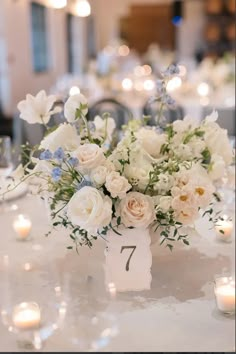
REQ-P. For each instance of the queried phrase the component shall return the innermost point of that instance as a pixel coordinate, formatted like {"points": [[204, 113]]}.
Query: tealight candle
{"points": [[224, 229], [26, 315], [225, 294], [22, 226]]}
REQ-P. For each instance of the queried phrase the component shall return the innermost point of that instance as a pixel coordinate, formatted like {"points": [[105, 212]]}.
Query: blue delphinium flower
{"points": [[169, 101], [73, 161], [56, 174], [171, 70], [160, 87], [84, 183], [92, 126], [59, 154], [45, 155]]}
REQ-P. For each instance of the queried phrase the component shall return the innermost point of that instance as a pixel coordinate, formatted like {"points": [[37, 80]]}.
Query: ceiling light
{"points": [[58, 4], [82, 8]]}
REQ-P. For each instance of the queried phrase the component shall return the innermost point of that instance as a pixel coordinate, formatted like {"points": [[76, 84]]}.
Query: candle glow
{"points": [[22, 226], [26, 315], [225, 294], [224, 229]]}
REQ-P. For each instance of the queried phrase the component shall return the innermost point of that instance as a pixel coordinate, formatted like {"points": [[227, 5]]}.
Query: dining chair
{"points": [[152, 110], [117, 110]]}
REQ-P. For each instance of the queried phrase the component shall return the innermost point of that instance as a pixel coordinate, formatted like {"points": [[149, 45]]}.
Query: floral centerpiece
{"points": [[159, 178]]}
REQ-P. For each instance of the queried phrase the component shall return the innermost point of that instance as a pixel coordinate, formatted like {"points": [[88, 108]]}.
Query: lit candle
{"points": [[225, 294], [224, 229], [26, 315], [112, 290], [22, 226]]}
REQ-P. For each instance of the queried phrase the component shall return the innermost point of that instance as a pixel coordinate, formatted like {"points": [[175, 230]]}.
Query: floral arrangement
{"points": [[153, 178]]}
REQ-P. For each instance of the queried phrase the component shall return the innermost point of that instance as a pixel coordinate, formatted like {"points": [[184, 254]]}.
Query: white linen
{"points": [[177, 314]]}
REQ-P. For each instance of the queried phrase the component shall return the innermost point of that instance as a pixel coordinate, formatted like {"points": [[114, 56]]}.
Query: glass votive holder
{"points": [[22, 226], [225, 294], [224, 228]]}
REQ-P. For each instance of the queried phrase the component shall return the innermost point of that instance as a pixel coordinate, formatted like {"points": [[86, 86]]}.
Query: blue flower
{"points": [[45, 155], [56, 174], [84, 183], [59, 154], [92, 126], [171, 70], [169, 101], [73, 161]]}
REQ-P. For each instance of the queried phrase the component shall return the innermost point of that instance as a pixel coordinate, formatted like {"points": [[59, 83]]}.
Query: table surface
{"points": [[178, 313]]}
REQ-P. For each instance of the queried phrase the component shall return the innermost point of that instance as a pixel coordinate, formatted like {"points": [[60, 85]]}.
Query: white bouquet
{"points": [[152, 178]]}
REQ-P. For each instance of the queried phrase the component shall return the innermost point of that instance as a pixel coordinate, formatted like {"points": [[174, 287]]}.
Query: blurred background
{"points": [[116, 49]]}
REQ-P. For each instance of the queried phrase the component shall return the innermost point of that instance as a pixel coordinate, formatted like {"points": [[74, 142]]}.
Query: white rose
{"points": [[137, 210], [99, 174], [72, 104], [90, 156], [117, 185], [38, 109], [217, 168], [89, 209], [65, 136], [104, 127], [151, 141]]}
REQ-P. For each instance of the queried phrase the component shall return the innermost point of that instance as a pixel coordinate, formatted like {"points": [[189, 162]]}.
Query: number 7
{"points": [[128, 261]]}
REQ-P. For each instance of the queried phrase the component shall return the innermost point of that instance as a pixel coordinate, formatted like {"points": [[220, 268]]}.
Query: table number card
{"points": [[128, 260]]}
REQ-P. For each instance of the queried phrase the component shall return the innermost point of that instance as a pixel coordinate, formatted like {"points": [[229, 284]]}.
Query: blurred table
{"points": [[179, 312]]}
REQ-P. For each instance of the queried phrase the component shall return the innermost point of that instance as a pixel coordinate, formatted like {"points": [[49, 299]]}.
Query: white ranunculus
{"points": [[99, 174], [136, 210], [151, 141], [38, 109], [187, 215], [90, 156], [65, 136], [89, 209], [183, 198], [217, 168], [73, 103], [117, 185], [105, 127]]}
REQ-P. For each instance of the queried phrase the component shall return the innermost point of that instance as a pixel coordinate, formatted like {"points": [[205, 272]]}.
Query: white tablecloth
{"points": [[178, 313]]}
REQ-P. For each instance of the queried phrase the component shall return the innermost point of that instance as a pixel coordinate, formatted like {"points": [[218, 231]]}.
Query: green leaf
{"points": [[169, 246], [70, 247], [186, 242]]}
